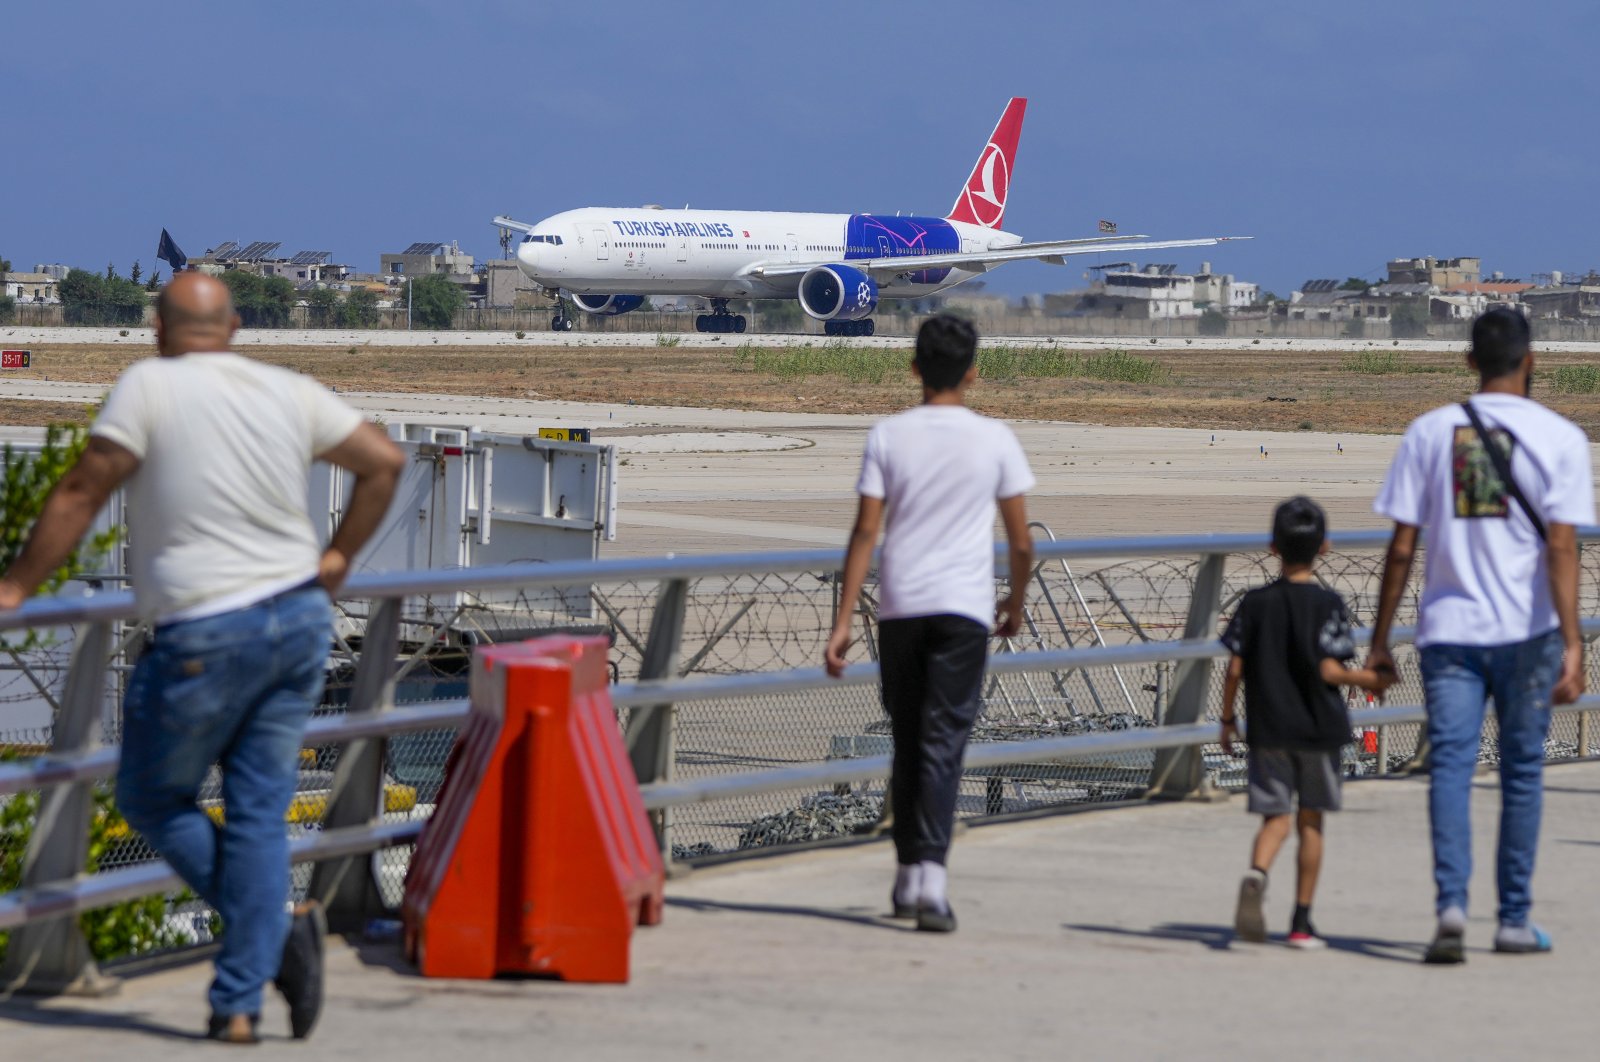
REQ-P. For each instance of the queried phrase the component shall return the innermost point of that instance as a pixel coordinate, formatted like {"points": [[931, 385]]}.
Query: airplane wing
{"points": [[1055, 252], [511, 223]]}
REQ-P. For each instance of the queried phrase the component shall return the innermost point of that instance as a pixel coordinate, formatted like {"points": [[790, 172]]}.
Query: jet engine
{"points": [[838, 293], [608, 305]]}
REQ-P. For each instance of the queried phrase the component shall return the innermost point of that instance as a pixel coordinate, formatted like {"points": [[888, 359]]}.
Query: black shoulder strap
{"points": [[1502, 467]]}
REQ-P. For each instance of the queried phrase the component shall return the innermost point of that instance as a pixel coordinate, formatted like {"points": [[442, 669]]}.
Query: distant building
{"points": [[1577, 300], [307, 269], [53, 269], [36, 287], [505, 286], [1220, 291], [1323, 300], [1442, 273], [423, 259], [1157, 292]]}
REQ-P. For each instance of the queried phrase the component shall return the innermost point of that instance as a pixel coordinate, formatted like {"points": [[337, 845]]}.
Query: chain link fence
{"points": [[779, 621]]}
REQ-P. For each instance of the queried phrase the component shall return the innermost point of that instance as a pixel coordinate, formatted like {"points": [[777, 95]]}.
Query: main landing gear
{"points": [[719, 319], [560, 322], [849, 328]]}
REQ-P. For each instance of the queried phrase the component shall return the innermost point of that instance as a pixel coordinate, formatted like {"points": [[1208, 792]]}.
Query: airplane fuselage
{"points": [[719, 253]]}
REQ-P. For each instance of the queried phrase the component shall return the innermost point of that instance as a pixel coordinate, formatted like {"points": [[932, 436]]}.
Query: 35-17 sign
{"points": [[15, 359]]}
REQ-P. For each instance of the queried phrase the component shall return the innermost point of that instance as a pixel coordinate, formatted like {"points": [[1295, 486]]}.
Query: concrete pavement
{"points": [[1102, 934]]}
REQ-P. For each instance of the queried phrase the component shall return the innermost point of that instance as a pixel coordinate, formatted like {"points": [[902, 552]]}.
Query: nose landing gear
{"points": [[560, 323], [719, 319]]}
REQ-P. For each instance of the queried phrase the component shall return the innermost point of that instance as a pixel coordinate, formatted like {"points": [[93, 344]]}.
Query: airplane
{"points": [[606, 260]]}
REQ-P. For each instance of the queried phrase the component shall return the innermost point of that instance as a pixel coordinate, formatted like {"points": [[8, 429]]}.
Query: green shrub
{"points": [[873, 365], [1576, 379]]}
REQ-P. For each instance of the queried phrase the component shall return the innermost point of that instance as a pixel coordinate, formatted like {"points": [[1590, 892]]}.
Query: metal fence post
{"points": [[649, 729], [347, 887], [52, 957], [1180, 773]]}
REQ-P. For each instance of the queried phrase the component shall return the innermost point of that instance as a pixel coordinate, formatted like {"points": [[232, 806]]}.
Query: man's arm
{"points": [[1396, 572], [1374, 678], [66, 515], [857, 559], [1230, 693], [1014, 514], [377, 464], [1562, 561]]}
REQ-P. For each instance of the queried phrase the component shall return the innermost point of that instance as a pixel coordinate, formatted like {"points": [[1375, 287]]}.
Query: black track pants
{"points": [[932, 670]]}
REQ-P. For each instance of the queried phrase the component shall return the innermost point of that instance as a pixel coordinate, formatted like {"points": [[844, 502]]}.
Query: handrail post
{"points": [[648, 733], [52, 957], [1178, 774], [348, 887]]}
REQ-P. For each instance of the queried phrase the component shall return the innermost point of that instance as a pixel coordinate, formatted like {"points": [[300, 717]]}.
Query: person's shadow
{"points": [[29, 1011], [854, 915], [1222, 938]]}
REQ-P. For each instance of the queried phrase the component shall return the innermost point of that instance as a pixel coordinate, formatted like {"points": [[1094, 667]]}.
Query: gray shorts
{"points": [[1277, 776]]}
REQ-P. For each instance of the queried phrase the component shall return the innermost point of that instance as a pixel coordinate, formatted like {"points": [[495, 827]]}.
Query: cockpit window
{"points": [[531, 238]]}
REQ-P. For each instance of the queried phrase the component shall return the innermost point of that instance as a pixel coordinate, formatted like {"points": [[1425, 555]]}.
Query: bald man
{"points": [[215, 449]]}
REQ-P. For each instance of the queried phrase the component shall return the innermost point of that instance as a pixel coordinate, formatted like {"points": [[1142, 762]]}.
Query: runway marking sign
{"points": [[565, 434], [15, 359]]}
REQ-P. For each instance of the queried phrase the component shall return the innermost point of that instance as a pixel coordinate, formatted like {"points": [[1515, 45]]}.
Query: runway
{"points": [[17, 335]]}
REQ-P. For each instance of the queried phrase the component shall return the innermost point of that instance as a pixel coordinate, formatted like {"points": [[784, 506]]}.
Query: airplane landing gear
{"points": [[719, 319], [850, 328], [560, 323]]}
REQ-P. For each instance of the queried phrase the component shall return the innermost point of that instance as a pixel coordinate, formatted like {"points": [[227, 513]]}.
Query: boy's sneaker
{"points": [[1449, 940], [936, 920], [1249, 920], [1521, 940], [1306, 940]]}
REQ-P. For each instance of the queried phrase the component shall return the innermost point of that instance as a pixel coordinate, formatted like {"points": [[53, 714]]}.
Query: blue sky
{"points": [[1338, 134]]}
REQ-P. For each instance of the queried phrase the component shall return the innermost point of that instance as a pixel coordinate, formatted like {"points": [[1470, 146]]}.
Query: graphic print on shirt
{"points": [[1475, 485]]}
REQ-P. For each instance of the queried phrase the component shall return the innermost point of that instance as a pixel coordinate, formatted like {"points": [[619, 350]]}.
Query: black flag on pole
{"points": [[169, 253]]}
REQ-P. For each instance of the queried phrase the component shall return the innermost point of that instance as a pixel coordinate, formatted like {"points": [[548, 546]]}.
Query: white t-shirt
{"points": [[1486, 581], [217, 508], [939, 470]]}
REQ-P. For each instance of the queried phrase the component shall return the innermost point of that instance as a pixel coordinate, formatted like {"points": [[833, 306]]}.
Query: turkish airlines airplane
{"points": [[607, 259]]}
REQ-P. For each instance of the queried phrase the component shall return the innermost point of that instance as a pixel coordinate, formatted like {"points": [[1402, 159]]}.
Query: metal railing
{"points": [[47, 953]]}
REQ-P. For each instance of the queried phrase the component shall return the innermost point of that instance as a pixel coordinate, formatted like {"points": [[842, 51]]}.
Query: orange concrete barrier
{"points": [[539, 858]]}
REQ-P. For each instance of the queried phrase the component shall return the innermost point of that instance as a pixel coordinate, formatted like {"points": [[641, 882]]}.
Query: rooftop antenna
{"points": [[505, 242]]}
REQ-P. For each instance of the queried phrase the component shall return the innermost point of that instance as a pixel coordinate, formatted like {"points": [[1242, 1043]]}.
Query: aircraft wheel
{"points": [[700, 323], [555, 323], [567, 324], [830, 328], [739, 324], [869, 327]]}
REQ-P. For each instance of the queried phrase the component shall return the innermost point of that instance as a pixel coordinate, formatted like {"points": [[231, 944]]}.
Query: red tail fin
{"points": [[983, 200]]}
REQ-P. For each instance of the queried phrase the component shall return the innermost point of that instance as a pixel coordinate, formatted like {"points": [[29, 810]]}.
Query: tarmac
{"points": [[1097, 935], [705, 480]]}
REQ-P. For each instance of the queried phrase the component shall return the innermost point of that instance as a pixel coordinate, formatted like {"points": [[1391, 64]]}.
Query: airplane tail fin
{"points": [[983, 199]]}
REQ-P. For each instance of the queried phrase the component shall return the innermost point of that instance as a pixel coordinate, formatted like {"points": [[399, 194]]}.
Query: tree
{"points": [[434, 300], [1212, 323], [154, 283], [1267, 298], [322, 307], [111, 271], [125, 302], [1354, 284], [8, 308], [261, 302], [83, 297], [1409, 319], [135, 273], [360, 309]]}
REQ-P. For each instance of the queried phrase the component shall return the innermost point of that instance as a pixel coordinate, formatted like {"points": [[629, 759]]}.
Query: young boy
{"points": [[1290, 640], [933, 475]]}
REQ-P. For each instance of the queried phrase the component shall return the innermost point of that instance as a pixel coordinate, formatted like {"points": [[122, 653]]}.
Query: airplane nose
{"points": [[528, 256]]}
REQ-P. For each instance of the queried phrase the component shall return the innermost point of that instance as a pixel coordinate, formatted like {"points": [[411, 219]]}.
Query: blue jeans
{"points": [[1457, 679], [236, 690]]}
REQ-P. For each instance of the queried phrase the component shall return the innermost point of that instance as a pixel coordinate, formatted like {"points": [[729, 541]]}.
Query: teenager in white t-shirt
{"points": [[215, 450], [1499, 612], [932, 477]]}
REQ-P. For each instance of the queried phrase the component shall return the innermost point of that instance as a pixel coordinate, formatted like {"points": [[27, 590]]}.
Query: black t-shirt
{"points": [[1284, 631]]}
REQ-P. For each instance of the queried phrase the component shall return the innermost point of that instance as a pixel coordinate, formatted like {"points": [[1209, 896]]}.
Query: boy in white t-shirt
{"points": [[1499, 612], [932, 476]]}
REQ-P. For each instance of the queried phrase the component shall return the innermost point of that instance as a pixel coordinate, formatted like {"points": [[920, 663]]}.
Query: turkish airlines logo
{"points": [[987, 188]]}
